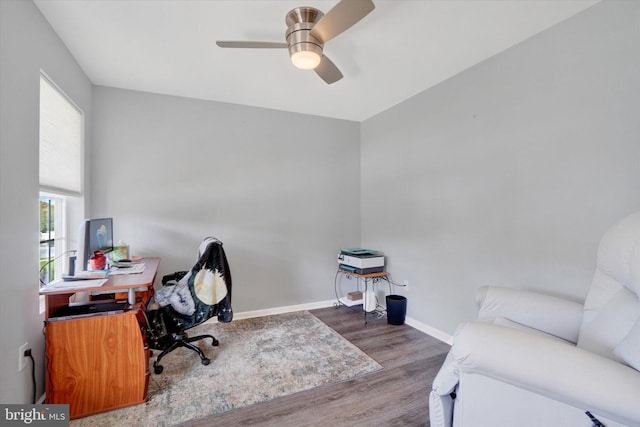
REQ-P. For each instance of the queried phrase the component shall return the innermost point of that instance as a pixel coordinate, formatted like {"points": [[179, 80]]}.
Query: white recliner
{"points": [[540, 360]]}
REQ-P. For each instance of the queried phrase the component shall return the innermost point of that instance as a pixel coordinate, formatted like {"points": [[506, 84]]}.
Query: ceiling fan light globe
{"points": [[305, 59]]}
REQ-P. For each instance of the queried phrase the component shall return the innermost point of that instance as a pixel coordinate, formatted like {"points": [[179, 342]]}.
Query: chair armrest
{"points": [[175, 277], [550, 368], [554, 315]]}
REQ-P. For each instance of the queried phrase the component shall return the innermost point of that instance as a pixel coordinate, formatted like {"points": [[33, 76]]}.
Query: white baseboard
{"points": [[284, 309], [429, 330], [278, 310]]}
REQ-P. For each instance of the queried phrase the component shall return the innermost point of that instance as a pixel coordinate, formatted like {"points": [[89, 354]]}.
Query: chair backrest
{"points": [[612, 306], [203, 292]]}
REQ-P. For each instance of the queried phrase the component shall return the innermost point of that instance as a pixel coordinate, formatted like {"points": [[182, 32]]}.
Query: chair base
{"points": [[182, 340]]}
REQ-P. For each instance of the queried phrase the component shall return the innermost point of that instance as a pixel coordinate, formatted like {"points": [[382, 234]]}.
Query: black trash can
{"points": [[396, 309]]}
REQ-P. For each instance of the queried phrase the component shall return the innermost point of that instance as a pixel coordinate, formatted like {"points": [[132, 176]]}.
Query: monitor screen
{"points": [[93, 235], [100, 236]]}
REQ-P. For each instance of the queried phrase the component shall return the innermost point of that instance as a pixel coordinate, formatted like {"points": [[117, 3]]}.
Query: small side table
{"points": [[369, 277]]}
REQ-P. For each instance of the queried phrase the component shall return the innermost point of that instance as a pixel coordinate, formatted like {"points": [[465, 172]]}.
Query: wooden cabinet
{"points": [[96, 364]]}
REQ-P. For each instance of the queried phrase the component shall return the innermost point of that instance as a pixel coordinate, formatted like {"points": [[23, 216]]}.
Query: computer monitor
{"points": [[93, 235]]}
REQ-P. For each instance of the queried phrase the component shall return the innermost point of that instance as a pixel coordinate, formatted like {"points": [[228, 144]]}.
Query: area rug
{"points": [[258, 359]]}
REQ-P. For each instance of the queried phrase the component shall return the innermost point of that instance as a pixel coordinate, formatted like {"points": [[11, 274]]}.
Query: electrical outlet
{"points": [[21, 357], [406, 285]]}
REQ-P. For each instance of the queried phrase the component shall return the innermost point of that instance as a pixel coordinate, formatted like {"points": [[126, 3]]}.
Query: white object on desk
{"points": [[133, 269], [57, 285]]}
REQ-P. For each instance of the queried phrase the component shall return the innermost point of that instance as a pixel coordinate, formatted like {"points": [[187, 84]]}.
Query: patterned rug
{"points": [[258, 359]]}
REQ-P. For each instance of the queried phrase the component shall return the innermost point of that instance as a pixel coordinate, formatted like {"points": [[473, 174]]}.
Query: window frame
{"points": [[60, 239], [69, 205]]}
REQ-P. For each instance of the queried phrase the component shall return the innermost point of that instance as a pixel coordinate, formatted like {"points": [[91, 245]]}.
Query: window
{"points": [[61, 147], [51, 221]]}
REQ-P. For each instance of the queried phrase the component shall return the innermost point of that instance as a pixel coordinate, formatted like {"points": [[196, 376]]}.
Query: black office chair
{"points": [[187, 299]]}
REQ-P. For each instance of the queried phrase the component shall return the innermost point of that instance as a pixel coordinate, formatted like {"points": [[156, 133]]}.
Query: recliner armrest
{"points": [[553, 315], [550, 368]]}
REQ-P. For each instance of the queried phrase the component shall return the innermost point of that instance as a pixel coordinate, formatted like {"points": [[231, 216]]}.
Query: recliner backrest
{"points": [[612, 306]]}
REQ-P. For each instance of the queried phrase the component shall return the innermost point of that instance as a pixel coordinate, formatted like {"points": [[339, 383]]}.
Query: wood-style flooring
{"points": [[397, 395]]}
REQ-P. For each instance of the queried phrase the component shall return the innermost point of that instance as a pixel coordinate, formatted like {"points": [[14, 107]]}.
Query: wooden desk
{"points": [[98, 363], [122, 283]]}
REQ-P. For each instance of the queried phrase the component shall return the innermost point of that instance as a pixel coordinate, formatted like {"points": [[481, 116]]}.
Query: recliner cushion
{"points": [[629, 349], [612, 307], [619, 253], [515, 325], [611, 324]]}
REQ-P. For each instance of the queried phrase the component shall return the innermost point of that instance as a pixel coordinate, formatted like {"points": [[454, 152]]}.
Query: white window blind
{"points": [[61, 128]]}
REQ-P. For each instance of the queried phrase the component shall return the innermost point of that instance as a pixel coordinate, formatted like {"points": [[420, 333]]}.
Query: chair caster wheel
{"points": [[158, 369], [206, 361], [215, 342]]}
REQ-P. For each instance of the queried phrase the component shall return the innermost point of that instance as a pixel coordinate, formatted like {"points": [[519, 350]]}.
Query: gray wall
{"points": [[281, 190], [27, 45], [509, 172]]}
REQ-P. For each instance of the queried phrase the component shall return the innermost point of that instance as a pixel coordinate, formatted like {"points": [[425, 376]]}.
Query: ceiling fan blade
{"points": [[252, 45], [343, 15], [328, 71]]}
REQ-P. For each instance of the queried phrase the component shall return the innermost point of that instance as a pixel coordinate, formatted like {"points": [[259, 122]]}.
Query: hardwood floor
{"points": [[397, 395]]}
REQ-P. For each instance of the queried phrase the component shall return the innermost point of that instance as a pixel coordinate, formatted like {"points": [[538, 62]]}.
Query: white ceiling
{"points": [[402, 48]]}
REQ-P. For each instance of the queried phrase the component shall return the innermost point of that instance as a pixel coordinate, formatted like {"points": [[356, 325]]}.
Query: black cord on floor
{"points": [[27, 353]]}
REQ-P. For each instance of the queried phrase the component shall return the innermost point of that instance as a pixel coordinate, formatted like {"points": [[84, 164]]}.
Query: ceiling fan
{"points": [[308, 29]]}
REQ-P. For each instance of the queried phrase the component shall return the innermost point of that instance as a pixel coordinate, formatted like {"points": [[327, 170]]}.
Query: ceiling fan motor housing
{"points": [[300, 21]]}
